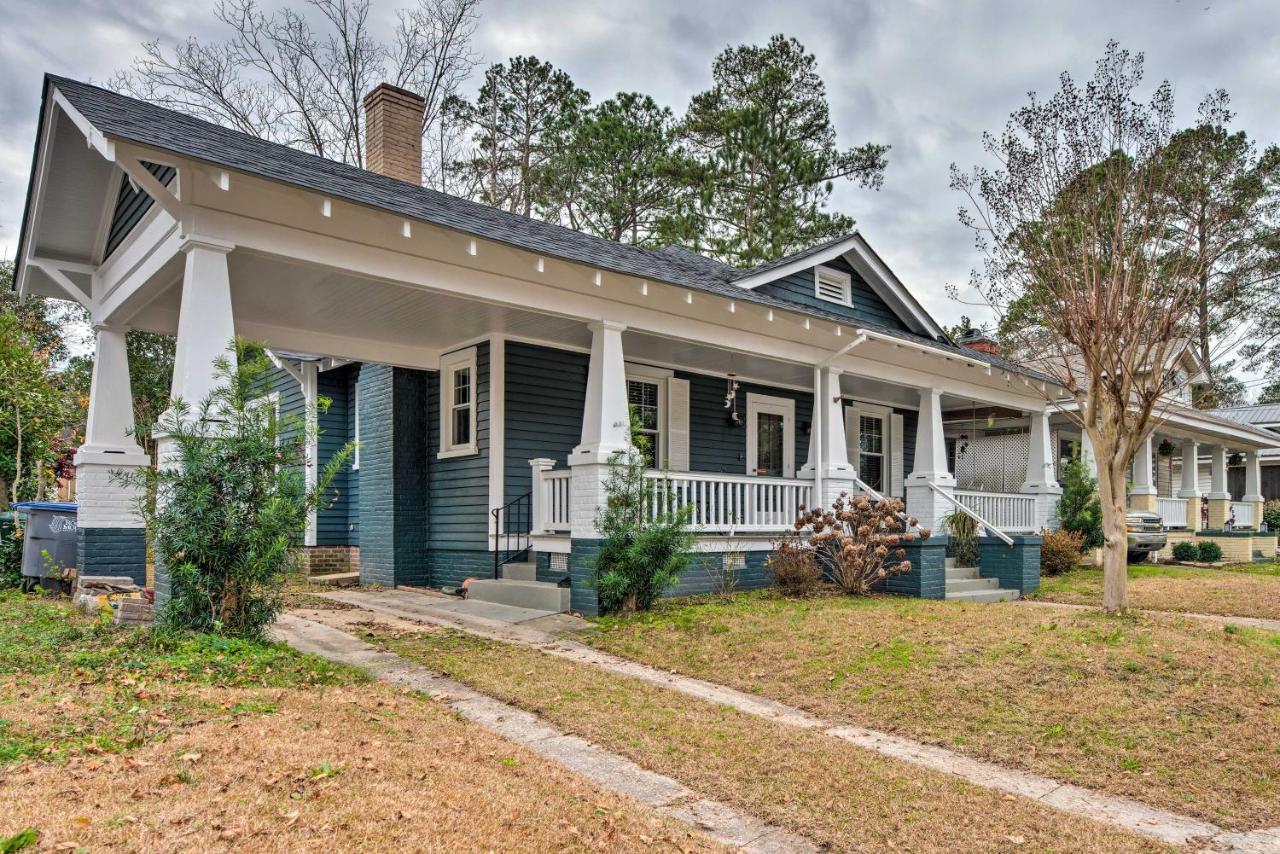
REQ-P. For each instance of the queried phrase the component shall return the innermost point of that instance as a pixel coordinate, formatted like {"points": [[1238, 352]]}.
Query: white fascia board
{"points": [[1249, 436], [801, 264], [38, 185]]}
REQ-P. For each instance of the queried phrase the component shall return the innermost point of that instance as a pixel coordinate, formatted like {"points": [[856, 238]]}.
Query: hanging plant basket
{"points": [[1235, 460], [1166, 448]]}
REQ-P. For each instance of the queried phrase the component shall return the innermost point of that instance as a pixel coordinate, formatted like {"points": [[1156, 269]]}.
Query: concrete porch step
{"points": [[527, 571], [336, 579], [538, 595], [961, 572], [961, 585], [997, 595]]}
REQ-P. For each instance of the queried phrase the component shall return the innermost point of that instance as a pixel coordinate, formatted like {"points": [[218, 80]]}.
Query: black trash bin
{"points": [[48, 544]]}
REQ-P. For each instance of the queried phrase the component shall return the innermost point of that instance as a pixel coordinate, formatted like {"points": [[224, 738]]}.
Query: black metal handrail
{"points": [[512, 526]]}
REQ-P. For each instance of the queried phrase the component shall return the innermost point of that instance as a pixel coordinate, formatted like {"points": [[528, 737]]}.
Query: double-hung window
{"points": [[871, 451], [644, 397], [458, 404]]}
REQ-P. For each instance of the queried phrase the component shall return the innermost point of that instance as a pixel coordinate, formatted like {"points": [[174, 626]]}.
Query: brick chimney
{"points": [[393, 133], [977, 339]]}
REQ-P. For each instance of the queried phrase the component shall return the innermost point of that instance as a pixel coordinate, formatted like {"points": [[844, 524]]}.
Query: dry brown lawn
{"points": [[1248, 591], [1178, 713], [836, 794], [358, 768]]}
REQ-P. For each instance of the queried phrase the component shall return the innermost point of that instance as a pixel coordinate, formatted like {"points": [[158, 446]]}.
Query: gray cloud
{"points": [[927, 77]]}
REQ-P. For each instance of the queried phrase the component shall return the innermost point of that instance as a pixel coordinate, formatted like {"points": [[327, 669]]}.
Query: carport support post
{"points": [[1041, 480], [1142, 495], [606, 431], [206, 333], [1219, 497], [923, 501], [1191, 482], [1253, 485], [111, 536]]}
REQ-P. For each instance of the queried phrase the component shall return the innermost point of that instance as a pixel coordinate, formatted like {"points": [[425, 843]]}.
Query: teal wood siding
{"points": [[715, 445], [132, 205], [458, 512], [333, 519], [867, 306], [353, 474], [546, 390]]}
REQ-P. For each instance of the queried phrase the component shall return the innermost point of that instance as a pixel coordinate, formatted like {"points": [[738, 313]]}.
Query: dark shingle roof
{"points": [[151, 125]]}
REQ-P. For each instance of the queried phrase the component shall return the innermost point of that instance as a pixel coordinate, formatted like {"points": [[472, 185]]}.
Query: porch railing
{"points": [[723, 503], [1173, 511], [971, 512], [551, 498], [1004, 510], [1244, 514]]}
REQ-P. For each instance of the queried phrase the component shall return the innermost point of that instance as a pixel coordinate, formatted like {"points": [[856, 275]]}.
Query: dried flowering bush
{"points": [[857, 543]]}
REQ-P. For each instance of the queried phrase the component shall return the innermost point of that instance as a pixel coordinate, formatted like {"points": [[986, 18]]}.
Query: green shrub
{"points": [[963, 530], [1186, 551], [1271, 514], [640, 557], [1060, 551], [10, 554], [1209, 551], [223, 519], [1079, 509]]}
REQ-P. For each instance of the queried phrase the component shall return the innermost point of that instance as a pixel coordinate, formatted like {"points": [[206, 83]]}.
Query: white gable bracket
{"points": [[57, 271]]}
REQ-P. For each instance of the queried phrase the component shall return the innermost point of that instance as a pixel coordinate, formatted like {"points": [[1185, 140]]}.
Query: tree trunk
{"points": [[1112, 485]]}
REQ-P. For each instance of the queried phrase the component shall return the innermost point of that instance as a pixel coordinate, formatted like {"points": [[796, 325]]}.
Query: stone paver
{"points": [[1166, 826], [719, 821]]}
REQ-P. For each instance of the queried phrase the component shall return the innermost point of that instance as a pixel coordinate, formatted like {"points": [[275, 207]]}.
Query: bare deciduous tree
{"points": [[288, 78], [1074, 225]]}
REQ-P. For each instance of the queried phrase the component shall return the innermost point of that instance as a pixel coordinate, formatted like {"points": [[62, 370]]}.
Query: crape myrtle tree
{"points": [[1076, 229]]}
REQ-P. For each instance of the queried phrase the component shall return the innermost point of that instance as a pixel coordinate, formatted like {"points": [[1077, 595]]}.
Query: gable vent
{"points": [[832, 285]]}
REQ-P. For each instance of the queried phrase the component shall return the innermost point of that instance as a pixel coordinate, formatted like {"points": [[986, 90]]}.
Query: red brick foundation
{"points": [[326, 560]]}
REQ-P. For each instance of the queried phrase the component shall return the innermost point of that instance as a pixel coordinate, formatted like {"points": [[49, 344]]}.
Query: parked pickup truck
{"points": [[1146, 534]]}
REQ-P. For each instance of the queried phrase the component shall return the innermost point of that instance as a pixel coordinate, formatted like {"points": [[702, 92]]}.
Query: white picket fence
{"points": [[1008, 511]]}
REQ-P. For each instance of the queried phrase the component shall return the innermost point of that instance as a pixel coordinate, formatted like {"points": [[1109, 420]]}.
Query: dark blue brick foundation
{"points": [[928, 576], [1017, 567], [582, 576], [113, 551]]}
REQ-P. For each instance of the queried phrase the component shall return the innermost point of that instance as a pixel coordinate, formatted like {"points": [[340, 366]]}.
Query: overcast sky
{"points": [[926, 78]]}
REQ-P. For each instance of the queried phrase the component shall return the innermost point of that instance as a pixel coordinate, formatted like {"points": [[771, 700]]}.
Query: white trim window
{"points": [[832, 285], [458, 404], [647, 398], [355, 427]]}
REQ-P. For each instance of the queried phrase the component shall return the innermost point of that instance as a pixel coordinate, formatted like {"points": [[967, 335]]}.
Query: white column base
{"points": [[1254, 499], [833, 486], [926, 504], [587, 497], [102, 501]]}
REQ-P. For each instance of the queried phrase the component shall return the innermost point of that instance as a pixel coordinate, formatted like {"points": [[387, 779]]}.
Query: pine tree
{"points": [[523, 114], [762, 155]]}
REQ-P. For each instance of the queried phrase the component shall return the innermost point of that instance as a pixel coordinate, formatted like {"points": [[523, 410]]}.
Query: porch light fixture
{"points": [[688, 297], [406, 229], [222, 178], [806, 323], [733, 306], [595, 278], [644, 289], [838, 332], [540, 265], [770, 315], [471, 247], [326, 208]]}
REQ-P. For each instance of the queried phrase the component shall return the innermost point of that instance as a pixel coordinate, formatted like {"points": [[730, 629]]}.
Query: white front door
{"points": [[771, 441]]}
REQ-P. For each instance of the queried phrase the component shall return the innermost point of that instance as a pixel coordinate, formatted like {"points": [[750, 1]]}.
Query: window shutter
{"points": [[895, 455], [677, 424]]}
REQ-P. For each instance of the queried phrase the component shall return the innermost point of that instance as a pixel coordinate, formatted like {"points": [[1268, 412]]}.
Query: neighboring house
{"points": [[1263, 416], [488, 364]]}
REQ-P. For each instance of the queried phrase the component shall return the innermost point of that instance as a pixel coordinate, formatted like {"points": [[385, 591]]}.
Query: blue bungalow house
{"points": [[487, 363]]}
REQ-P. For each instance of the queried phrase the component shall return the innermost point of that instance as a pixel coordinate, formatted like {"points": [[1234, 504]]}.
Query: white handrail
{"points": [[1008, 541]]}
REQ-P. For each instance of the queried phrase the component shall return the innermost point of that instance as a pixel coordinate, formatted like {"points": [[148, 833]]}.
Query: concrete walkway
{"points": [[1223, 619], [1165, 826], [719, 821]]}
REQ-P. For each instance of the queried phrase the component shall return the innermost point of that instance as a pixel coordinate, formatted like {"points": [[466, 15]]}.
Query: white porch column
{"points": [[1253, 485], [111, 534], [1191, 482], [206, 333], [1142, 495], [1219, 496], [1041, 481], [828, 463], [606, 427], [1087, 455], [930, 464], [205, 326]]}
